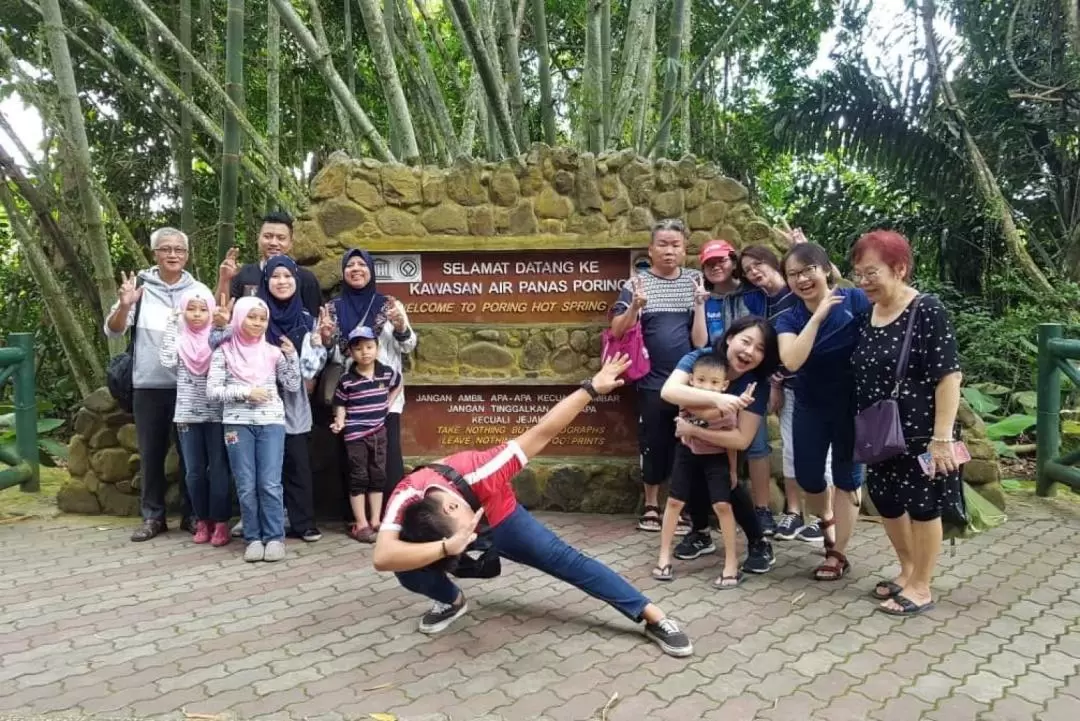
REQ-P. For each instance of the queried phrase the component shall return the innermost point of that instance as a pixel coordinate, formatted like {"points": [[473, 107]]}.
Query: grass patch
{"points": [[15, 503]]}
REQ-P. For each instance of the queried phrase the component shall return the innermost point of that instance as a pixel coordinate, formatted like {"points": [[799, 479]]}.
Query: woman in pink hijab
{"points": [[186, 348], [245, 372]]}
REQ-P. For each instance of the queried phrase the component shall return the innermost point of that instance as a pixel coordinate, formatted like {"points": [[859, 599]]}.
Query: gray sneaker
{"points": [[669, 638], [238, 530], [275, 551], [442, 615], [254, 552]]}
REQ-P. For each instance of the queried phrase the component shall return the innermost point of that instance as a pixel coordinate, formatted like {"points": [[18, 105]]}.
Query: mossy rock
{"points": [[527, 488], [111, 464], [115, 503], [78, 456], [75, 497], [128, 437], [104, 438], [100, 401], [439, 347], [563, 489], [482, 354], [87, 422]]}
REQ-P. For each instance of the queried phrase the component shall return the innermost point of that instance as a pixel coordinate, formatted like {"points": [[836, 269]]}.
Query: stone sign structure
{"points": [[507, 271]]}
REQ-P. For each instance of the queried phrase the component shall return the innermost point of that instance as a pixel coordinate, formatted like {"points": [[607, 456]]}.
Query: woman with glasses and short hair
{"points": [[153, 295], [817, 338]]}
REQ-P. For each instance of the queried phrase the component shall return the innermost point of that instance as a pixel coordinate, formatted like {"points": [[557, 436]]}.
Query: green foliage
{"points": [[50, 450], [1010, 427]]}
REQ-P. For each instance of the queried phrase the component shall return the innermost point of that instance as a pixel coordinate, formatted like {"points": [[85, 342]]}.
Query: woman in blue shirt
{"points": [[817, 338]]}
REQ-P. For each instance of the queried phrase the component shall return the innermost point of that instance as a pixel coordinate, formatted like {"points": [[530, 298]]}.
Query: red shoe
{"points": [[222, 535], [202, 532]]}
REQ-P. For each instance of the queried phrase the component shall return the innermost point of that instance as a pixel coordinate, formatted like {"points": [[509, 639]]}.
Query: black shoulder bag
{"points": [[119, 374], [481, 558]]}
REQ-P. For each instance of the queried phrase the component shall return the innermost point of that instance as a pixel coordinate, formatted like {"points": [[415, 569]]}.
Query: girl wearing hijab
{"points": [[245, 372], [360, 304], [186, 348], [289, 319]]}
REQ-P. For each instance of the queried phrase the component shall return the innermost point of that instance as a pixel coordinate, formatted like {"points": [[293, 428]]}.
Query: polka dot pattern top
{"points": [[933, 356]]}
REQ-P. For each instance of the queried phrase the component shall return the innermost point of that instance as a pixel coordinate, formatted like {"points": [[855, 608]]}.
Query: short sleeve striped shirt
{"points": [[366, 399]]}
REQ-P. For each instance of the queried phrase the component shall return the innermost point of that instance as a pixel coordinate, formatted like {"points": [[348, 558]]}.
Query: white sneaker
{"points": [[255, 551], [238, 530], [275, 551]]}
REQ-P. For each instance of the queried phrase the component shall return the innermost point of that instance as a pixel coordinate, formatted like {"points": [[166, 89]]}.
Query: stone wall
{"points": [[103, 461]]}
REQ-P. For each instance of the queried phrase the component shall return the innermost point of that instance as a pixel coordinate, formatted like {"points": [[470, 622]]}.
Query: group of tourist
{"points": [[231, 375], [234, 373]]}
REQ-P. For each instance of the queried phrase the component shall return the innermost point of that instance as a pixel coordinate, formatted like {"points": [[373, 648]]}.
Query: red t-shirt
{"points": [[487, 472]]}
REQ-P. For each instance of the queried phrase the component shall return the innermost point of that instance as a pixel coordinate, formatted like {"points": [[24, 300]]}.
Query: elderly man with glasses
{"points": [[152, 296]]}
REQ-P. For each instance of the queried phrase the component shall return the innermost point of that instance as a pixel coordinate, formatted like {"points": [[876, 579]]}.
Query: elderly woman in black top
{"points": [[907, 497]]}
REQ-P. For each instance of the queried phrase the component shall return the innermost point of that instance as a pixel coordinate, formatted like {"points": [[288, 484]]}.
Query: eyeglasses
{"points": [[870, 276], [670, 224], [171, 250], [804, 273]]}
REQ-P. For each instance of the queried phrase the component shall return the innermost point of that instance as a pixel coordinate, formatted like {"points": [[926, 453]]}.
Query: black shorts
{"points": [[899, 485], [367, 463], [710, 469], [656, 436]]}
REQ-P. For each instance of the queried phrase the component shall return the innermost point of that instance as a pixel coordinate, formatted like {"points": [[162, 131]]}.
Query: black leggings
{"points": [[297, 485], [395, 464], [153, 409], [741, 505]]}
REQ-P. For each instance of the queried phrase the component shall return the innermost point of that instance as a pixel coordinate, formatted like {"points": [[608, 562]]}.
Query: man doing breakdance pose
{"points": [[429, 524]]}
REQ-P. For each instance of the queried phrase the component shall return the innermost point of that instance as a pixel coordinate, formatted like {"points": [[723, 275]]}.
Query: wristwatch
{"points": [[590, 389]]}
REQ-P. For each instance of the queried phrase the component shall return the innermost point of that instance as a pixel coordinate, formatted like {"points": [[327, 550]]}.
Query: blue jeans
{"points": [[255, 456], [207, 470], [523, 539]]}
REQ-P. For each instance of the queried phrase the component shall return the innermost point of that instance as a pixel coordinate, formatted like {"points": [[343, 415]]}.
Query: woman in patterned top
{"points": [[906, 496]]}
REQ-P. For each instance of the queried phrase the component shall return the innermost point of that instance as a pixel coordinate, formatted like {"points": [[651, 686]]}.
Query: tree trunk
{"points": [[230, 152], [330, 75], [444, 54], [162, 79], [997, 206], [273, 95], [209, 28], [684, 80], [350, 51], [605, 65], [493, 85], [543, 55], [75, 130], [1071, 10], [646, 80], [511, 62], [397, 106], [82, 357], [671, 75], [183, 142], [467, 136], [324, 46], [593, 91], [428, 82], [633, 57]]}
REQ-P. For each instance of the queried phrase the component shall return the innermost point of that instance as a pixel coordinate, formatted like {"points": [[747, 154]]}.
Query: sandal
{"points": [[829, 572], [663, 573], [891, 590], [721, 584], [907, 607], [650, 520]]}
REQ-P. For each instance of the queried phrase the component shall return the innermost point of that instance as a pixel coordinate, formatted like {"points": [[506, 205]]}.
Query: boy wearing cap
{"points": [[362, 400]]}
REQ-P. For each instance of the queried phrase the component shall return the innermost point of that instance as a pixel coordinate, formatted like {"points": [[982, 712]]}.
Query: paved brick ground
{"points": [[92, 625]]}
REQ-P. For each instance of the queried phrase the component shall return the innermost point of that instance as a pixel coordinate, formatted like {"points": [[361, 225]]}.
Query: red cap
{"points": [[715, 249]]}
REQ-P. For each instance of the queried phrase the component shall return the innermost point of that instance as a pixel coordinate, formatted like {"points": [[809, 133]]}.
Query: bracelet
{"points": [[935, 439]]}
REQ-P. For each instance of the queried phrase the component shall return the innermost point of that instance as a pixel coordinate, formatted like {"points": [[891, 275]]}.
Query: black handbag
{"points": [[481, 558], [119, 375]]}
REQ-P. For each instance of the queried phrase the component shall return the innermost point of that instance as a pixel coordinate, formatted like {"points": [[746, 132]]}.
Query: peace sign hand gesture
{"points": [[700, 293], [129, 292], [228, 268], [394, 314], [457, 543], [826, 305], [326, 326], [637, 287], [223, 312]]}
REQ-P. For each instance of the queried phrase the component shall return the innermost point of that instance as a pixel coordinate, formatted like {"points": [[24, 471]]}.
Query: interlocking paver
{"points": [[112, 628]]}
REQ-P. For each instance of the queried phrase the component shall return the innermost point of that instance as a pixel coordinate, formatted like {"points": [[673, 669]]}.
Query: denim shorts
{"points": [[759, 447]]}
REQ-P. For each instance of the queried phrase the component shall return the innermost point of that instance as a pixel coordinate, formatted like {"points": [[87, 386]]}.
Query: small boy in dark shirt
{"points": [[361, 402]]}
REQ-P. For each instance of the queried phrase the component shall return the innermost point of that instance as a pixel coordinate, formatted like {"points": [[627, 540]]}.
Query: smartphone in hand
{"points": [[960, 450]]}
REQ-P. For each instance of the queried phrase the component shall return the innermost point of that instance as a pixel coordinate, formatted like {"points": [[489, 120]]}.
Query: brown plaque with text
{"points": [[445, 419], [505, 287]]}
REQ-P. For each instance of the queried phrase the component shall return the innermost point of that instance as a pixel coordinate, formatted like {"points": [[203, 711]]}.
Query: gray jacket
{"points": [[156, 305]]}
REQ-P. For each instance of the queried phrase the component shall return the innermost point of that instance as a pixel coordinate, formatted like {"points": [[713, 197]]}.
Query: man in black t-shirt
{"points": [[275, 238]]}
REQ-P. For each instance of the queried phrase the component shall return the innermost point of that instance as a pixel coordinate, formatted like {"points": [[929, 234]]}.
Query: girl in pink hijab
{"points": [[245, 372], [186, 348]]}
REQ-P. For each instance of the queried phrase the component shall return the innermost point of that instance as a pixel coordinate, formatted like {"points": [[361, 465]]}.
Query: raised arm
{"points": [[739, 438], [796, 348], [678, 391]]}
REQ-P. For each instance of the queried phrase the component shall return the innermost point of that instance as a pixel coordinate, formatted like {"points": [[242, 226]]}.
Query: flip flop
{"points": [[719, 584], [663, 573], [894, 590], [907, 606]]}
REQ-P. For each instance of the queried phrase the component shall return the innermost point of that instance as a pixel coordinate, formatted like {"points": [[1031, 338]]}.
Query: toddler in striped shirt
{"points": [[362, 400]]}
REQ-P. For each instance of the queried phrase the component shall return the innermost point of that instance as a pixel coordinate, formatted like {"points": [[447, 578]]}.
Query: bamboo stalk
{"points": [[397, 106], [330, 75], [324, 46], [671, 76], [633, 57], [428, 82], [511, 62], [230, 151], [436, 37], [83, 360], [273, 95], [543, 55], [646, 82], [593, 87], [605, 66], [350, 51], [183, 145], [473, 106]]}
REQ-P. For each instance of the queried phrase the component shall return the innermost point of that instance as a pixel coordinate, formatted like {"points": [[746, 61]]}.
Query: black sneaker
{"points": [[765, 518], [789, 526], [695, 545], [311, 535], [812, 533], [149, 529], [442, 615], [759, 557], [187, 523], [669, 638]]}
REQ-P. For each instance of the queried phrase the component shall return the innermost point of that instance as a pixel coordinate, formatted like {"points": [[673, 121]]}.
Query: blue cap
{"points": [[361, 332]]}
